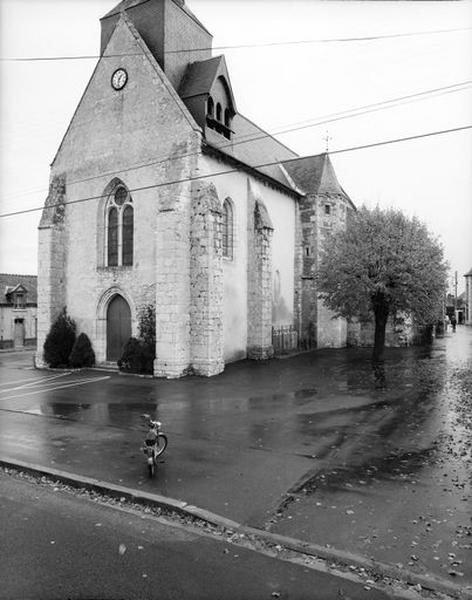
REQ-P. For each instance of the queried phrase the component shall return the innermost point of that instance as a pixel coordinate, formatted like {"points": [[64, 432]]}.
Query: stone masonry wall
{"points": [[331, 211], [400, 331], [144, 136], [259, 283], [308, 250], [52, 257], [207, 286]]}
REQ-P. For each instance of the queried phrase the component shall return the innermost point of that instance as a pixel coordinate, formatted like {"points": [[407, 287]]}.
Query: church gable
{"points": [[127, 110], [167, 27]]}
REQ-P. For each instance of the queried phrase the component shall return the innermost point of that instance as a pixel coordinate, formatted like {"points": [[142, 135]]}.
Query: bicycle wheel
{"points": [[161, 444]]}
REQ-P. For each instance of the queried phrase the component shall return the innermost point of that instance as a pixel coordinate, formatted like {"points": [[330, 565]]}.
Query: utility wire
{"points": [[227, 172], [367, 38], [349, 113], [241, 46]]}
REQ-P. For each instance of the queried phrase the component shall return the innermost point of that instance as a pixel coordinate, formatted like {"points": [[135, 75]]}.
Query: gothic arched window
{"points": [[210, 106], [112, 234], [227, 233], [127, 233], [218, 111], [119, 228]]}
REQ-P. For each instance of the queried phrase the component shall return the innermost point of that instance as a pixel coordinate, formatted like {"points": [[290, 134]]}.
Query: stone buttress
{"points": [[52, 258], [206, 281], [260, 231]]}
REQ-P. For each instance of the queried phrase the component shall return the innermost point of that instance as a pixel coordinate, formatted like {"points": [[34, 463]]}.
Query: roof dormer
{"points": [[206, 90], [16, 295]]}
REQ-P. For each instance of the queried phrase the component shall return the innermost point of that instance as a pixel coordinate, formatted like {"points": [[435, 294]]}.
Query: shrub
{"points": [[147, 324], [139, 353], [59, 341], [137, 357], [82, 354]]}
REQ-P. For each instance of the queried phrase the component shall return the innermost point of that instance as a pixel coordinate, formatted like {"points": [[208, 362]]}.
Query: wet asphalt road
{"points": [[56, 544], [320, 446]]}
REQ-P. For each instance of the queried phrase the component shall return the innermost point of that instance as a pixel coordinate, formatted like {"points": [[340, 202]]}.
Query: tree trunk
{"points": [[380, 307]]}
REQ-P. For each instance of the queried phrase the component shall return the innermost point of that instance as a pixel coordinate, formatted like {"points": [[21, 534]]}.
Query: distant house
{"points": [[456, 306], [18, 307]]}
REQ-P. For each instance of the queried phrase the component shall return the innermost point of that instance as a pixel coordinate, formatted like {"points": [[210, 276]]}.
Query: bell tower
{"points": [[170, 30]]}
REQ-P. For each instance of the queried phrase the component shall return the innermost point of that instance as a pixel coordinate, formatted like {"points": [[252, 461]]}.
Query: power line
{"points": [[368, 108], [240, 46], [348, 113], [367, 38], [227, 172]]}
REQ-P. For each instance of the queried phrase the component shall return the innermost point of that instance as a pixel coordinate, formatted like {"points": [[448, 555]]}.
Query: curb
{"points": [[432, 583]]}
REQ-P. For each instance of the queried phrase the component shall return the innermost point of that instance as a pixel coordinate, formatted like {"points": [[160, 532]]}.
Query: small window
{"points": [[327, 209], [227, 233], [19, 300], [210, 106], [218, 112], [307, 251]]}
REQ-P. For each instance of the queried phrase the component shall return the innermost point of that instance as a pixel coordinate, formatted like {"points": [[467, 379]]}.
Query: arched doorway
{"points": [[118, 327]]}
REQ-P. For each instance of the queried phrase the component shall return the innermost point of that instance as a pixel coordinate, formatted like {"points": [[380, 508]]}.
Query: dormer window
{"points": [[19, 300], [219, 107]]}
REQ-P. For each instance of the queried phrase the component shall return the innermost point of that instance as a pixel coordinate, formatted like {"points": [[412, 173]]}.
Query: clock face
{"points": [[119, 79]]}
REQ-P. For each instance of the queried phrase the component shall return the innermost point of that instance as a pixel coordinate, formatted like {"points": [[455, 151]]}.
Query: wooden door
{"points": [[118, 327], [19, 339]]}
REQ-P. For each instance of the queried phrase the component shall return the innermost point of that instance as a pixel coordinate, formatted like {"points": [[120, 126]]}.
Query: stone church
{"points": [[162, 193]]}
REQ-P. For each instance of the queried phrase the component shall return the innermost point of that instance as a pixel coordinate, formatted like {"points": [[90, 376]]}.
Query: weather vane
{"points": [[327, 138]]}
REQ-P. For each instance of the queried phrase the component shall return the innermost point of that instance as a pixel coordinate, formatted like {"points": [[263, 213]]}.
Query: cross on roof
{"points": [[327, 138]]}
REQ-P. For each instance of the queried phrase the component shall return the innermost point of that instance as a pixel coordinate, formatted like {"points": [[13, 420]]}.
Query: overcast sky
{"points": [[276, 86]]}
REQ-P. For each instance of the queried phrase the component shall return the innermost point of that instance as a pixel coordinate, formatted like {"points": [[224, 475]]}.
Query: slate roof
{"points": [[123, 5], [252, 145], [199, 77], [126, 4], [8, 282], [315, 175]]}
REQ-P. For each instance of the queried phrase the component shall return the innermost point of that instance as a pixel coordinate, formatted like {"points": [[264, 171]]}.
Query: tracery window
{"points": [[227, 233], [119, 228]]}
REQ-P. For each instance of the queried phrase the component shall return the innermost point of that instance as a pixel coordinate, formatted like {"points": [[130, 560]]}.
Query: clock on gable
{"points": [[119, 79]]}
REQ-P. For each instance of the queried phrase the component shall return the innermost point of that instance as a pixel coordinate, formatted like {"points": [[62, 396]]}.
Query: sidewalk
{"points": [[245, 443]]}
